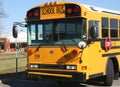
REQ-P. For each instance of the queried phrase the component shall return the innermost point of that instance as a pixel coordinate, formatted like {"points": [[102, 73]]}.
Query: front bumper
{"points": [[57, 75]]}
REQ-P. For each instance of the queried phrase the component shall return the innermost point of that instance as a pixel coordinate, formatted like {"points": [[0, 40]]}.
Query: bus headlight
{"points": [[34, 66], [82, 44], [71, 67]]}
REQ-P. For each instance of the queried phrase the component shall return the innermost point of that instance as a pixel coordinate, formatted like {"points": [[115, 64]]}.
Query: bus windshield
{"points": [[56, 32]]}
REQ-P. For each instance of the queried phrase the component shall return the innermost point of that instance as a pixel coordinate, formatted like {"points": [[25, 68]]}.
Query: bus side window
{"points": [[97, 25], [105, 27], [113, 27]]}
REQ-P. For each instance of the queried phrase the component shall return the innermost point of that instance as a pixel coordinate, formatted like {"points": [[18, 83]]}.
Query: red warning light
{"points": [[30, 14], [75, 10]]}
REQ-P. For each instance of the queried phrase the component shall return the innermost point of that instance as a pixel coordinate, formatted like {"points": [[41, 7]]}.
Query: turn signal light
{"points": [[30, 52], [74, 52], [84, 67]]}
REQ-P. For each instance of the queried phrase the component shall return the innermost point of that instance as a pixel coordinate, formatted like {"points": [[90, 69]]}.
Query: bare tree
{"points": [[2, 12], [2, 15]]}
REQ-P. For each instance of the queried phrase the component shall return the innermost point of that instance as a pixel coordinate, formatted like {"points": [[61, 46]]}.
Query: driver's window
{"points": [[97, 25], [40, 32], [33, 32]]}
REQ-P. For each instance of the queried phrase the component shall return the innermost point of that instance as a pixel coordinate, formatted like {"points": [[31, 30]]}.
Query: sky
{"points": [[16, 9]]}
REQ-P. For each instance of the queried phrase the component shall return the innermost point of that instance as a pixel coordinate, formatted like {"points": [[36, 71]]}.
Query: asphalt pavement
{"points": [[25, 83], [14, 80]]}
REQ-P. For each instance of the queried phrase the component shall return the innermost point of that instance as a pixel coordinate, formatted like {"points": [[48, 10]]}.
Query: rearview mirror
{"points": [[15, 32], [93, 32]]}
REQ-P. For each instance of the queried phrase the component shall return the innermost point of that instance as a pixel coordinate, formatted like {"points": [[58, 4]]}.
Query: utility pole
{"points": [[15, 35], [16, 45]]}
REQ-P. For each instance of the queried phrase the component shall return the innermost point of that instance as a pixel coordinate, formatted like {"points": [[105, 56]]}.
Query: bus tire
{"points": [[108, 80], [116, 75]]}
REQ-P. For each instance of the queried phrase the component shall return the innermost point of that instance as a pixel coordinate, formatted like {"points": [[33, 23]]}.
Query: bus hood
{"points": [[54, 55]]}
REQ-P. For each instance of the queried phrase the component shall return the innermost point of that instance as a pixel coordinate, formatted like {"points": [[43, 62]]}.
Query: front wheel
{"points": [[108, 80]]}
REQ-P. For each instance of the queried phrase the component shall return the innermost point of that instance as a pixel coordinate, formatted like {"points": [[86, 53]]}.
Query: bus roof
{"points": [[103, 10], [52, 13], [91, 8]]}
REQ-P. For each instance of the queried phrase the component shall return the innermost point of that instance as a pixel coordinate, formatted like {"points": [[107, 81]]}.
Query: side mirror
{"points": [[15, 32], [25, 25], [93, 32]]}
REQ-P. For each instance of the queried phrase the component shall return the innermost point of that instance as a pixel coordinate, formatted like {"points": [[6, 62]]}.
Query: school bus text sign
{"points": [[49, 12]]}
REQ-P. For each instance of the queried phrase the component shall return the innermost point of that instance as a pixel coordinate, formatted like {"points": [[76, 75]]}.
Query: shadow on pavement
{"points": [[16, 80]]}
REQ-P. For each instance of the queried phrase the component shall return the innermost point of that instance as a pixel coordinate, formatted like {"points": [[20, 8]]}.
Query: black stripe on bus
{"points": [[112, 39], [110, 12], [115, 47], [96, 75], [115, 39], [110, 54]]}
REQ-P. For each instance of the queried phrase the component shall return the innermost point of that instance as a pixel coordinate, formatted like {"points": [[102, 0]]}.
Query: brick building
{"points": [[4, 45], [8, 43]]}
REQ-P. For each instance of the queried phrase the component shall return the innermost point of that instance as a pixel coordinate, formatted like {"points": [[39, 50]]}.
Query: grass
{"points": [[13, 55], [8, 62]]}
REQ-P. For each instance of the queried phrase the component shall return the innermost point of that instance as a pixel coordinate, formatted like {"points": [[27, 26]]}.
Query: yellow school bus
{"points": [[73, 42]]}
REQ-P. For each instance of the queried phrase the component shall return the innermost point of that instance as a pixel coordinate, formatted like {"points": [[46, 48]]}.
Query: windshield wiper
{"points": [[37, 49], [65, 49], [74, 41], [43, 41]]}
